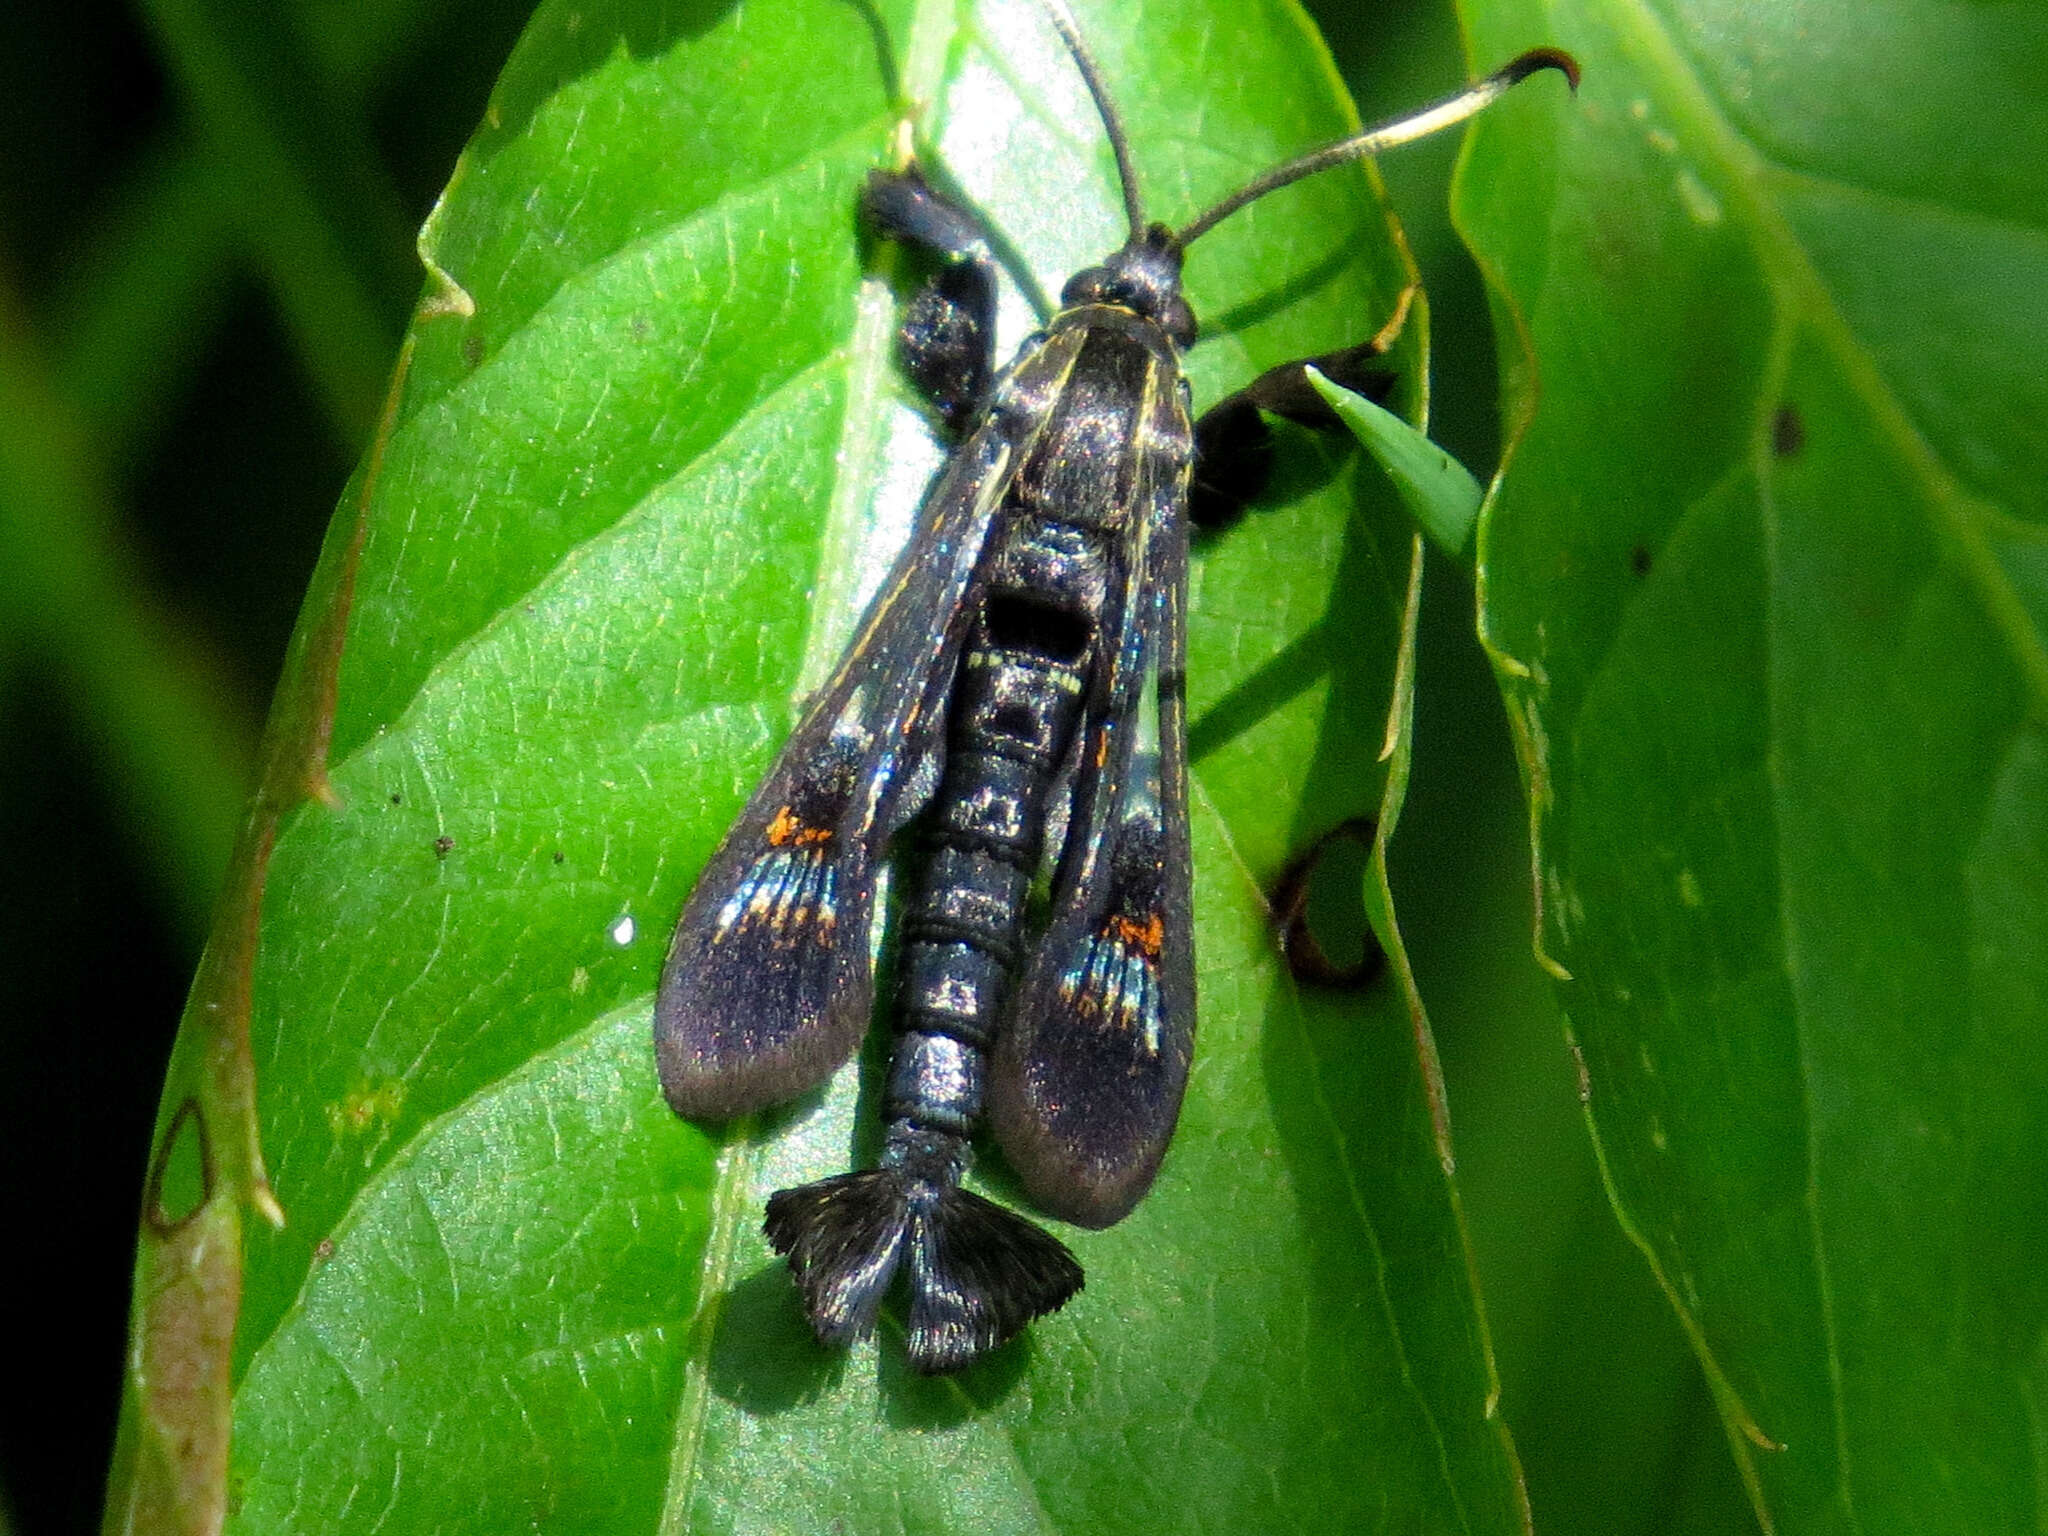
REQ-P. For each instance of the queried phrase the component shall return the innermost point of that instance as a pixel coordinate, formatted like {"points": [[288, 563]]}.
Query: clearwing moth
{"points": [[1015, 697]]}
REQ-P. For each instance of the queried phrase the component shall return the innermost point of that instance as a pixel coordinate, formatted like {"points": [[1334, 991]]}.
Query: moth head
{"points": [[1143, 277]]}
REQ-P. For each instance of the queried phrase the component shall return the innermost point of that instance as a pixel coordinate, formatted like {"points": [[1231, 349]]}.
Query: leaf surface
{"points": [[1765, 584], [651, 454]]}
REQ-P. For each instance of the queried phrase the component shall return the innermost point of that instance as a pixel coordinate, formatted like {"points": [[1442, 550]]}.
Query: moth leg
{"points": [[1234, 442], [947, 340]]}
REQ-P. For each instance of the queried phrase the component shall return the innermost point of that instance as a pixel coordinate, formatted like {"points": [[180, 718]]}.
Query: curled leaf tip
{"points": [[1523, 65]]}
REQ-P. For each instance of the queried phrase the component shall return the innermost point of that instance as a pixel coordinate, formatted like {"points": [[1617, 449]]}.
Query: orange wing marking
{"points": [[789, 830], [1147, 936]]}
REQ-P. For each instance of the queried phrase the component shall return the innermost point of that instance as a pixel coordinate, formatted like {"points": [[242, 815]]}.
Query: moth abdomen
{"points": [[935, 1081]]}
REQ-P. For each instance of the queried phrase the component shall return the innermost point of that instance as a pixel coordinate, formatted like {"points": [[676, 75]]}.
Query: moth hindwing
{"points": [[1017, 693]]}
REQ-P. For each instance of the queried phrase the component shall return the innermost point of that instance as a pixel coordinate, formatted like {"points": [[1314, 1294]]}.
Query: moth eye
{"points": [[1091, 285]]}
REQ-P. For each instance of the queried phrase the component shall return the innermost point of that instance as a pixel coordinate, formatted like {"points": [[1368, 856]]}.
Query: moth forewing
{"points": [[1087, 1076], [1177, 886], [769, 981]]}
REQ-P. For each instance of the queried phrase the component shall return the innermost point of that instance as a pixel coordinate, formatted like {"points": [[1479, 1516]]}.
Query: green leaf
{"points": [[649, 453], [1438, 491], [1766, 586]]}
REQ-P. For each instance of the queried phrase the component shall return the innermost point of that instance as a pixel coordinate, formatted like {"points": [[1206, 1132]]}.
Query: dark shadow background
{"points": [[188, 370]]}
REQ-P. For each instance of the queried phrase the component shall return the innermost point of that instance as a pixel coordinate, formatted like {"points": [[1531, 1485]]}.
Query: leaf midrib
{"points": [[869, 357]]}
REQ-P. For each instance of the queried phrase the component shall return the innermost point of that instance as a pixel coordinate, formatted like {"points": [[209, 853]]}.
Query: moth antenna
{"points": [[1112, 125], [1447, 113], [977, 1272]]}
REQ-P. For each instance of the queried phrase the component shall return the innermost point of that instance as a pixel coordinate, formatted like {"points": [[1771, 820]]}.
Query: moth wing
{"points": [[768, 982], [1088, 1071]]}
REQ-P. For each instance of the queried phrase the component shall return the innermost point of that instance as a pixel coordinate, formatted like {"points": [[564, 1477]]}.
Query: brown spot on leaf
{"points": [[1788, 432]]}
